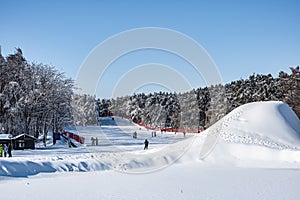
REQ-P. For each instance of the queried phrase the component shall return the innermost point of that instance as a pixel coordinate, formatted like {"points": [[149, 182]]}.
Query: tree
{"points": [[34, 98]]}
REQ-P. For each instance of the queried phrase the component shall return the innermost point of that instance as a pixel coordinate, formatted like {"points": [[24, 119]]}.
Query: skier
{"points": [[96, 141], [146, 144]]}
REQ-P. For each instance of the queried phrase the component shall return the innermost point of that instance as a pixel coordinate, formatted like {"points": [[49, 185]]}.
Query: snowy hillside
{"points": [[239, 150]]}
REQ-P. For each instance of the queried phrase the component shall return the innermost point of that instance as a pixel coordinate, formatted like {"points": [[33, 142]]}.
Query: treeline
{"points": [[34, 98], [202, 107]]}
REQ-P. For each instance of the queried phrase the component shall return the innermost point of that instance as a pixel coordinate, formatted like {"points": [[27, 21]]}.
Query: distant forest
{"points": [[202, 107]]}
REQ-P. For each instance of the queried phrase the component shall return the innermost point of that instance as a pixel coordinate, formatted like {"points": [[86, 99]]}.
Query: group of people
{"points": [[5, 150], [153, 133], [94, 141]]}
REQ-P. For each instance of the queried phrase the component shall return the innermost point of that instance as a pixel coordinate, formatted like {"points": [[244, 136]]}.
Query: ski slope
{"points": [[251, 153]]}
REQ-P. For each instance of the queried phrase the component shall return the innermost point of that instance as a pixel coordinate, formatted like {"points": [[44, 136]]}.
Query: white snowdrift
{"points": [[263, 134], [274, 122]]}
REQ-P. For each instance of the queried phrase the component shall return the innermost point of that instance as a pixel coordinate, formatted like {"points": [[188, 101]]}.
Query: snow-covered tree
{"points": [[84, 110], [34, 98]]}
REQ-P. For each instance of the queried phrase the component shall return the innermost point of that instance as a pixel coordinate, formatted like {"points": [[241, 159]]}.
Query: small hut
{"points": [[24, 141]]}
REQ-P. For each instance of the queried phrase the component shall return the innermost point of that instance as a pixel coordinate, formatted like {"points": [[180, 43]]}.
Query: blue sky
{"points": [[242, 37]]}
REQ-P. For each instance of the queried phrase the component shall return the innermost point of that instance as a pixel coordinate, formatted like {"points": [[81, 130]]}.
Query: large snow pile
{"points": [[254, 134], [274, 122]]}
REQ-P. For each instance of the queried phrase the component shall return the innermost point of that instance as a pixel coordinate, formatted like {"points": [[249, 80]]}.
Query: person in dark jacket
{"points": [[146, 144], [9, 148]]}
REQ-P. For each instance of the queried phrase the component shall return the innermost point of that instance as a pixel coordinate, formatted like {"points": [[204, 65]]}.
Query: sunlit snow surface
{"points": [[252, 153]]}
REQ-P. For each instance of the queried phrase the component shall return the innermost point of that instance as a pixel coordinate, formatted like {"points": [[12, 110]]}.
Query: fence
{"points": [[74, 136], [163, 129]]}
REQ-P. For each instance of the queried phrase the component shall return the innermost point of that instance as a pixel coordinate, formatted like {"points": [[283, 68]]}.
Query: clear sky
{"points": [[242, 37]]}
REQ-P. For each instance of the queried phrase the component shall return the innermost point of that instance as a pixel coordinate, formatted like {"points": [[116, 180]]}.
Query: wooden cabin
{"points": [[23, 141]]}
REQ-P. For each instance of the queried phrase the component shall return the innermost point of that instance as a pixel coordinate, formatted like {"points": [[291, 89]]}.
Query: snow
{"points": [[5, 136], [175, 183], [272, 121], [251, 153]]}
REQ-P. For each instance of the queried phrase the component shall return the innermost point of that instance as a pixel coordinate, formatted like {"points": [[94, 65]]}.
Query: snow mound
{"points": [[20, 167], [272, 124], [256, 134]]}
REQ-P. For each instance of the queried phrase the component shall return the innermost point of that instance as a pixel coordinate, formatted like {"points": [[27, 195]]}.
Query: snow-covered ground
{"points": [[252, 153]]}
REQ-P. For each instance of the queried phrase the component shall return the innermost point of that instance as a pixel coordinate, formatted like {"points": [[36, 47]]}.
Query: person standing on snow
{"points": [[146, 144], [1, 149], [9, 148], [134, 134], [93, 141], [5, 150]]}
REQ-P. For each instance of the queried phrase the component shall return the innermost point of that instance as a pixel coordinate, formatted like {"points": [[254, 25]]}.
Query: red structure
{"points": [[74, 136]]}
